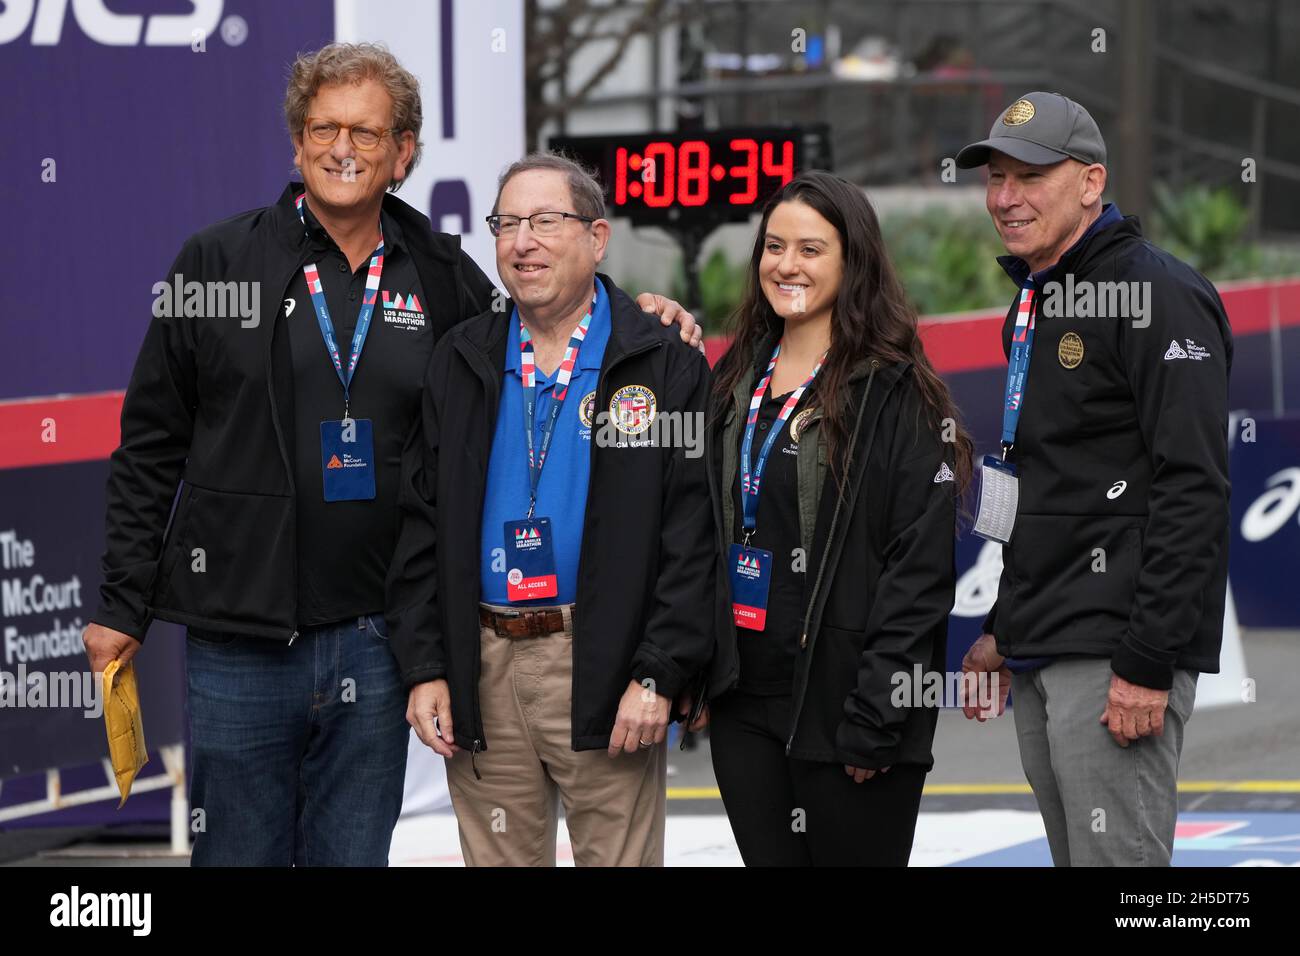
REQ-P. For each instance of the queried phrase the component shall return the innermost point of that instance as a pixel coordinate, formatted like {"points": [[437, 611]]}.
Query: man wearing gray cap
{"points": [[1110, 495]]}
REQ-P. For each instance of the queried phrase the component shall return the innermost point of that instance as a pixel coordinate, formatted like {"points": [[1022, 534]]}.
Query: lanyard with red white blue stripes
{"points": [[1022, 341], [528, 371], [749, 480], [373, 275]]}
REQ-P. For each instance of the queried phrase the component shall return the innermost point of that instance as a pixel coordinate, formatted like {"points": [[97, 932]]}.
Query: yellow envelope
{"points": [[125, 728]]}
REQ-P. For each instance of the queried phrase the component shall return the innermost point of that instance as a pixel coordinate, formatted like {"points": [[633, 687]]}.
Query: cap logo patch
{"points": [[1020, 112]]}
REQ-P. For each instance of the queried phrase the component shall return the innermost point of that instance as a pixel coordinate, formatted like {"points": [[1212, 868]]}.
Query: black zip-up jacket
{"points": [[645, 578], [209, 403], [1120, 546], [880, 574]]}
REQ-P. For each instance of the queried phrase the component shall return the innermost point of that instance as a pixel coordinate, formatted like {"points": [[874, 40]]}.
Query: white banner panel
{"points": [[469, 57]]}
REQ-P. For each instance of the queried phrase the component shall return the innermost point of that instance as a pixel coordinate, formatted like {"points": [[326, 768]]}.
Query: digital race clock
{"points": [[698, 177]]}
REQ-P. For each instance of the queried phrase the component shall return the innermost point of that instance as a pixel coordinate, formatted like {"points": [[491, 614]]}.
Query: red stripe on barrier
{"points": [[953, 345], [964, 345], [972, 342], [86, 427], [59, 430], [1249, 310]]}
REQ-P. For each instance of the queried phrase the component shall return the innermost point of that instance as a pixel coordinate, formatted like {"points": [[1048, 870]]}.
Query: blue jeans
{"points": [[299, 752]]}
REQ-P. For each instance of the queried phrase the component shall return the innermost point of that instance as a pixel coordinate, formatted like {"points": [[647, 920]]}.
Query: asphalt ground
{"points": [[1239, 793]]}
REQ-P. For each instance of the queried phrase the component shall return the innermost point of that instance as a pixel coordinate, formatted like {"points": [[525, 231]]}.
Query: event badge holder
{"points": [[530, 555], [751, 568], [999, 496], [347, 447]]}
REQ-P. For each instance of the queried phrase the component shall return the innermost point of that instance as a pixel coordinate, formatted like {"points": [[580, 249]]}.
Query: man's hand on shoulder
{"points": [[670, 311]]}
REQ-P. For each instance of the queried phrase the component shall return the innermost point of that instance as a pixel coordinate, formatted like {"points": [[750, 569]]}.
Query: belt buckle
{"points": [[525, 624], [500, 623]]}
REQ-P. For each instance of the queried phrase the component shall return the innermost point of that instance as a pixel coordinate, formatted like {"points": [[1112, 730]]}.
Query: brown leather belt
{"points": [[526, 622]]}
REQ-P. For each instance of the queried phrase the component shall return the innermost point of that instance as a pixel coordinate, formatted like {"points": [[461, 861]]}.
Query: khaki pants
{"points": [[614, 808]]}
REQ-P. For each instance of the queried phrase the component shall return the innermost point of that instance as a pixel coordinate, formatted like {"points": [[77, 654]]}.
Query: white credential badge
{"points": [[999, 499]]}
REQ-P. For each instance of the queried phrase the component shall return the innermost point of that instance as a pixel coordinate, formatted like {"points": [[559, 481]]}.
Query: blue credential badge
{"points": [[347, 457], [530, 562], [751, 576]]}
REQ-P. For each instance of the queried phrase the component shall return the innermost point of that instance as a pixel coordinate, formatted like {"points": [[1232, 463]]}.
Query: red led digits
{"points": [[620, 176], [659, 190], [693, 179], [786, 169], [749, 172]]}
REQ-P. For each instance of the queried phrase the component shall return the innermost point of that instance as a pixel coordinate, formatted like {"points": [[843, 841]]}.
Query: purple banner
{"points": [[1266, 521], [128, 127], [121, 139]]}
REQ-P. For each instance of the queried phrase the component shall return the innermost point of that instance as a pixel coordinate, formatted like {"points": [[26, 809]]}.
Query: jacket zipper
{"points": [[821, 568], [486, 379], [601, 381], [723, 534], [279, 435]]}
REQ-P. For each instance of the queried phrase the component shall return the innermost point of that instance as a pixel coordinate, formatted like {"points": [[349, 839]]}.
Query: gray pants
{"points": [[1102, 804]]}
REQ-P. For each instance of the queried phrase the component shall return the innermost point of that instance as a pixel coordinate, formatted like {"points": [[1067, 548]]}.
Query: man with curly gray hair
{"points": [[282, 458]]}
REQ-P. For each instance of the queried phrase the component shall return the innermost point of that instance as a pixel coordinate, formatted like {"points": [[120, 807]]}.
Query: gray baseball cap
{"points": [[1041, 129]]}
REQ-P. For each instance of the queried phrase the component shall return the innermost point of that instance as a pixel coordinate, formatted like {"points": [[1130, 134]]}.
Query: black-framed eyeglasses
{"points": [[542, 223]]}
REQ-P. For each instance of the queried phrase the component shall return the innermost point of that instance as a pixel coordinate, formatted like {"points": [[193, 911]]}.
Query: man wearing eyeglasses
{"points": [[284, 438], [550, 592]]}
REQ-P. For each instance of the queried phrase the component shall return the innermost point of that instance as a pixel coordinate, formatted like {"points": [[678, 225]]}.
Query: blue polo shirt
{"points": [[562, 491]]}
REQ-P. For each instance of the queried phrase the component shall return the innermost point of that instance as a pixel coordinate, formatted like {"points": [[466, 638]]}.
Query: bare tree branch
{"points": [[556, 34]]}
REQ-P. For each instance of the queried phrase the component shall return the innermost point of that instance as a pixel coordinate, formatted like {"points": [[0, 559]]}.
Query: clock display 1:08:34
{"points": [[666, 173]]}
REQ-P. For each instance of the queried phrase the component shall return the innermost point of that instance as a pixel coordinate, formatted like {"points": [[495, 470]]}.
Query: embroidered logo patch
{"points": [[632, 409]]}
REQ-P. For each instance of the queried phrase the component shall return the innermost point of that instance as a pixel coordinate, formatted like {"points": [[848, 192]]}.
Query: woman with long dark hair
{"points": [[838, 462]]}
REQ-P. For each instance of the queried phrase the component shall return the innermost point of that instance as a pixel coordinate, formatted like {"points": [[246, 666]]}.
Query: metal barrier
{"points": [[173, 777]]}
